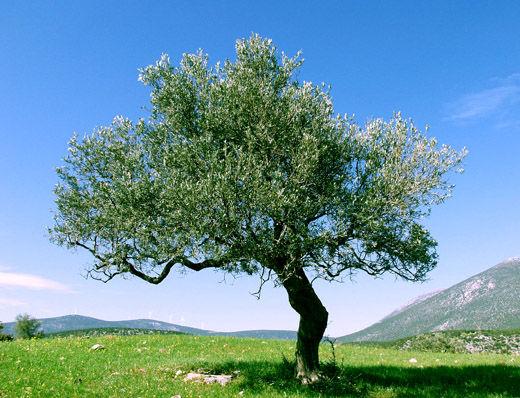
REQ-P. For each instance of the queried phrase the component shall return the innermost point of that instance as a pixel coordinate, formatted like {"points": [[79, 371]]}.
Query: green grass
{"points": [[98, 332], [145, 366]]}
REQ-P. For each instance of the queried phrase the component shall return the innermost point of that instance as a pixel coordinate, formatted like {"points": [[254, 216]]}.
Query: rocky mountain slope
{"points": [[489, 300]]}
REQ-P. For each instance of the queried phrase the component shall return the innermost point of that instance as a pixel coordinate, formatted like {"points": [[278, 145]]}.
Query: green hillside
{"points": [[155, 366], [489, 300]]}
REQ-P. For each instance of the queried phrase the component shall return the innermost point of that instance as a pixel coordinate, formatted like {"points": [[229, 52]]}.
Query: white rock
{"points": [[192, 376], [412, 360], [208, 379], [96, 347], [220, 379]]}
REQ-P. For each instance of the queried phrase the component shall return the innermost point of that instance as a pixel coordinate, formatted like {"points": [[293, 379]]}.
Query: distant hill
{"points": [[69, 323], [489, 300], [77, 322]]}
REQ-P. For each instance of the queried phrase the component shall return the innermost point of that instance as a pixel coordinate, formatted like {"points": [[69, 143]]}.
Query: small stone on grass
{"points": [[208, 379]]}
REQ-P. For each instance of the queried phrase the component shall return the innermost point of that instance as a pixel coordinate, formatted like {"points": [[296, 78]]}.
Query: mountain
{"points": [[78, 322], [489, 300], [414, 301]]}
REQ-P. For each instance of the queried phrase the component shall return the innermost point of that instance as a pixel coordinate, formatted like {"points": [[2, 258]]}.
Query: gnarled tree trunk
{"points": [[313, 322]]}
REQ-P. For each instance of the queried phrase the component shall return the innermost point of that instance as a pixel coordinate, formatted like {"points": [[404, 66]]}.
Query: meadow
{"points": [[149, 365]]}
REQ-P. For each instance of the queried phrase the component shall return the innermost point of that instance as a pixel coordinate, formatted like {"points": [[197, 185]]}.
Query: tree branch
{"points": [[127, 266], [210, 263]]}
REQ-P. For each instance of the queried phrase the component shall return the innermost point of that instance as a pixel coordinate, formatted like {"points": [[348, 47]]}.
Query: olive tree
{"points": [[241, 167], [27, 327]]}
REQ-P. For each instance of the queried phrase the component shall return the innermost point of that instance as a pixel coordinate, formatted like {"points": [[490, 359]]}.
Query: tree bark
{"points": [[313, 322]]}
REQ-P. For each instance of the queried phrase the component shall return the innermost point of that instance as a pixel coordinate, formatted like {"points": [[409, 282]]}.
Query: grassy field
{"points": [[146, 366], [100, 332]]}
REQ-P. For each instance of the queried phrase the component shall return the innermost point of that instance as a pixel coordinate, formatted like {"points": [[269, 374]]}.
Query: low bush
{"points": [[5, 337]]}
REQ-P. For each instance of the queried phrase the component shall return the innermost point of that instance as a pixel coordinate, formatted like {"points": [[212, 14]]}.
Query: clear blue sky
{"points": [[70, 66]]}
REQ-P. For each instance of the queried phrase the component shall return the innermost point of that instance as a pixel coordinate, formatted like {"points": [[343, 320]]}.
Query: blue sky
{"points": [[72, 66]]}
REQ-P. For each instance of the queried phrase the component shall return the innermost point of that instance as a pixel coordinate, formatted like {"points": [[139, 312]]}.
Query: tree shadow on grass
{"points": [[378, 381]]}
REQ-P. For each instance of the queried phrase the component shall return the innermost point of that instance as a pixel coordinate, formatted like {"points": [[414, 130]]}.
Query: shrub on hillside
{"points": [[460, 341], [4, 337]]}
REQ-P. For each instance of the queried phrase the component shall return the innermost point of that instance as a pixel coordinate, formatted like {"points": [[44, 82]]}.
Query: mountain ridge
{"points": [[78, 322], [487, 300]]}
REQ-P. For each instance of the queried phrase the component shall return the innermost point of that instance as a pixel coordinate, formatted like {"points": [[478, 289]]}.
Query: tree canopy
{"points": [[27, 327], [243, 168]]}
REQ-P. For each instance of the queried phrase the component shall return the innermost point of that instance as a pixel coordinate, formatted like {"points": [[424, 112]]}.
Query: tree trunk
{"points": [[313, 322]]}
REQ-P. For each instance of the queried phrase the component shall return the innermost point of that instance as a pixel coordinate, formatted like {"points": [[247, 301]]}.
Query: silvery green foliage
{"points": [[242, 167]]}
